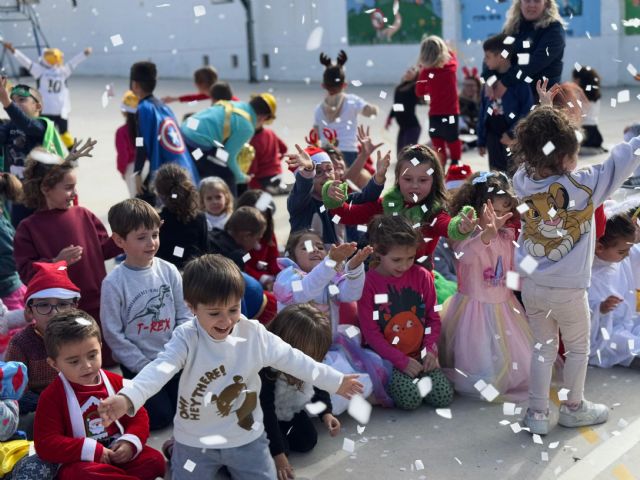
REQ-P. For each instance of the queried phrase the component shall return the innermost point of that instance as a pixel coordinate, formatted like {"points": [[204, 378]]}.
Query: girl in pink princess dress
{"points": [[485, 339]]}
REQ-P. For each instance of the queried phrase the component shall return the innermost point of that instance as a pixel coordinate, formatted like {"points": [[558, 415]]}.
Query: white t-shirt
{"points": [[345, 124]]}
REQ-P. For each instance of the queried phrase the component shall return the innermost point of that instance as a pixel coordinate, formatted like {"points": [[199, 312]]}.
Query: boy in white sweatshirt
{"points": [[220, 352]]}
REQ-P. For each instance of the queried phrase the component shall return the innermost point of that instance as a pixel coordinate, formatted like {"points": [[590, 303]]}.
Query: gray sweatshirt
{"points": [[558, 233], [139, 309]]}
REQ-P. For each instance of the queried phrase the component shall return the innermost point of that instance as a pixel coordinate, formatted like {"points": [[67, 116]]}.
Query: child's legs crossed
{"points": [[261, 465], [441, 394], [403, 391]]}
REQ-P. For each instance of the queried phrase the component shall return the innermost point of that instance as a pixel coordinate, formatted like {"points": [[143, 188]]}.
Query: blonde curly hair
{"points": [[514, 17]]}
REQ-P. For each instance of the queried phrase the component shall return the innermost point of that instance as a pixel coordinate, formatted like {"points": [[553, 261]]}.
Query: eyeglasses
{"points": [[47, 308]]}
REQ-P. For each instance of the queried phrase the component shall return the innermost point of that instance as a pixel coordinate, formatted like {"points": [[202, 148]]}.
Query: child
{"points": [[305, 202], [588, 79], [11, 288], [216, 201], [615, 332], [126, 141], [204, 78], [219, 420], [266, 167], [404, 110], [14, 383], [184, 231], [263, 264], [283, 398], [398, 316], [498, 117], [221, 91], [437, 81], [161, 141], [142, 301], [243, 231], [419, 194], [51, 75], [68, 429], [485, 334], [50, 291], [339, 111], [81, 239], [469, 100], [310, 274], [556, 246]]}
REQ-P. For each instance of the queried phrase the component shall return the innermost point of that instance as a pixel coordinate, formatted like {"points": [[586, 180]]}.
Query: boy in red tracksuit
{"points": [[267, 163], [68, 429]]}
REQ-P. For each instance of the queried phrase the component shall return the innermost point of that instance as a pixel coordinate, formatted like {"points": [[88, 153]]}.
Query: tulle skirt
{"points": [[488, 342]]}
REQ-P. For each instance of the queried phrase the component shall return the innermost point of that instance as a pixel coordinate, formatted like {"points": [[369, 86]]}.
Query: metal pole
{"points": [[251, 47]]}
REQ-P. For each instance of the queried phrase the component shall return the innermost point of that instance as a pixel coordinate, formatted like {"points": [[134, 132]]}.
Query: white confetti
{"points": [[222, 155], [632, 70], [491, 80], [604, 333], [352, 331], [553, 445], [513, 280], [509, 40], [199, 10], [192, 123], [415, 162], [514, 365], [490, 393], [116, 40], [139, 141], [526, 44], [315, 408], [437, 308], [379, 298], [246, 257], [336, 219], [563, 394], [356, 83], [83, 321], [395, 340], [296, 286], [444, 413], [189, 465], [360, 409], [424, 386], [362, 228], [624, 96], [213, 440], [308, 246], [360, 429], [522, 208], [398, 107], [197, 154], [528, 264], [523, 59], [383, 94], [178, 252], [419, 465], [537, 439], [544, 456], [264, 202], [548, 148], [430, 171], [315, 39], [516, 427], [165, 367], [348, 445], [333, 290]]}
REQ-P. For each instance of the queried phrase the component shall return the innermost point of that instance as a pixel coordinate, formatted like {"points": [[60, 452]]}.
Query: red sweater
{"points": [[362, 213], [267, 256], [53, 432], [41, 236], [125, 149], [269, 150], [441, 85]]}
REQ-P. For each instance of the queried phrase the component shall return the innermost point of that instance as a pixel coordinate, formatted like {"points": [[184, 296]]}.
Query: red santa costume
{"points": [[68, 430]]}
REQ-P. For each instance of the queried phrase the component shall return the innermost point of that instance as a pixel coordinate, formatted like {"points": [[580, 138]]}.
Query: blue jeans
{"points": [[252, 461]]}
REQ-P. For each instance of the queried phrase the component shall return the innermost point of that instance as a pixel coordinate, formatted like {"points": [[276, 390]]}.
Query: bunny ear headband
{"points": [[331, 136], [613, 208], [473, 73]]}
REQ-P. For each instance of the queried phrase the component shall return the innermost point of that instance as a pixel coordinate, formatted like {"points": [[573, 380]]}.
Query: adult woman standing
{"points": [[538, 30]]}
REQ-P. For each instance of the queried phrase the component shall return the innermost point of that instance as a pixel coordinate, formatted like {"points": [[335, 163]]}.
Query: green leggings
{"points": [[405, 393]]}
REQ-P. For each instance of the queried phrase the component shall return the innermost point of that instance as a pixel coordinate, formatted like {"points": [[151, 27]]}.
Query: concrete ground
{"points": [[472, 444]]}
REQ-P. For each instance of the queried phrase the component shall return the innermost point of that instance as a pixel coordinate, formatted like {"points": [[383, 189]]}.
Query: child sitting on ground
{"points": [[142, 302], [68, 429], [242, 232], [216, 201], [398, 317], [284, 399], [49, 292], [80, 237], [219, 420]]}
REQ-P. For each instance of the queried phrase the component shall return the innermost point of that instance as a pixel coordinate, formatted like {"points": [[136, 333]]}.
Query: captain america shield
{"points": [[170, 136]]}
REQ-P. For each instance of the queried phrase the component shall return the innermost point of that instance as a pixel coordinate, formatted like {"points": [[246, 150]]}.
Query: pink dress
{"points": [[485, 334]]}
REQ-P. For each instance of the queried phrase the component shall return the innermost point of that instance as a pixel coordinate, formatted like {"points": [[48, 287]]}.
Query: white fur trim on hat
{"points": [[320, 157], [61, 293]]}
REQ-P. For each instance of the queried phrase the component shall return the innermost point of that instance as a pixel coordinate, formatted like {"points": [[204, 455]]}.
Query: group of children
{"points": [[352, 305]]}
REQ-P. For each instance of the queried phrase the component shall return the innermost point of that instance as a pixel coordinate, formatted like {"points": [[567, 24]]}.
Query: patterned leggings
{"points": [[405, 393]]}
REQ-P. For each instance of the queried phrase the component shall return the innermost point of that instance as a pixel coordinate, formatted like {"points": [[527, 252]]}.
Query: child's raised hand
{"points": [[492, 223], [366, 144], [122, 452], [413, 368], [79, 150], [467, 222], [70, 254], [283, 467], [106, 456], [382, 165], [610, 304], [350, 386], [339, 253], [332, 424], [112, 408], [300, 159], [5, 98], [335, 191], [88, 51], [360, 256], [546, 96]]}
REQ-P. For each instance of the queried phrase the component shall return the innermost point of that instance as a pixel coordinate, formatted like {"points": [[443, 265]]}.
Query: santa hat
{"points": [[51, 280], [457, 175], [318, 155]]}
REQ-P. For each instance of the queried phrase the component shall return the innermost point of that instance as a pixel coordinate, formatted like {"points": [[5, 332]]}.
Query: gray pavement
{"points": [[472, 444]]}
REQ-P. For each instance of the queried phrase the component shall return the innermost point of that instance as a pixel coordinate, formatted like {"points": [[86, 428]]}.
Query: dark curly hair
{"points": [[618, 227], [333, 77], [177, 192], [39, 176], [543, 125], [588, 79], [476, 195]]}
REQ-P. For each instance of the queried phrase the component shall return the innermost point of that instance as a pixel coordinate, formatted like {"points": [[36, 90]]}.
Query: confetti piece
{"points": [[504, 422], [352, 331], [189, 465], [322, 209], [213, 440], [360, 429], [537, 439], [296, 286], [632, 70], [514, 365], [105, 100], [458, 460], [165, 367], [422, 259], [509, 40], [379, 298], [544, 456], [461, 372], [491, 80], [508, 408], [116, 40], [246, 257], [553, 445], [424, 386], [315, 39], [197, 154], [315, 408], [437, 308], [178, 252], [526, 44], [513, 280], [336, 219], [516, 427], [528, 264], [480, 385], [139, 141], [264, 202], [490, 393], [330, 263], [395, 340], [222, 155], [522, 208], [383, 94], [192, 123], [398, 107], [605, 333], [348, 445], [308, 246], [444, 413], [548, 148], [504, 53], [362, 228], [419, 465], [415, 162], [356, 83], [360, 409], [624, 96], [199, 10], [333, 290], [82, 321], [523, 59]]}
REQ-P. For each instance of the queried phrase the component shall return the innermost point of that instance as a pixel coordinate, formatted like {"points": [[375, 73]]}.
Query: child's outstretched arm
{"points": [[492, 222], [352, 284], [76, 60], [36, 70]]}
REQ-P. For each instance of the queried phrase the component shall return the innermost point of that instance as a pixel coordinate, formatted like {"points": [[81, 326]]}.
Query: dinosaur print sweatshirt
{"points": [[557, 240], [139, 309], [219, 390]]}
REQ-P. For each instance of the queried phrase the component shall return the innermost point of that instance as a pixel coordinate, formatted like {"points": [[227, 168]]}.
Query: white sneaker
{"points": [[538, 422], [589, 413]]}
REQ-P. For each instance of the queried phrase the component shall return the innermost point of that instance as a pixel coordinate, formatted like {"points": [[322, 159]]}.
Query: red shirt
{"points": [[125, 149], [441, 85], [269, 150], [263, 261]]}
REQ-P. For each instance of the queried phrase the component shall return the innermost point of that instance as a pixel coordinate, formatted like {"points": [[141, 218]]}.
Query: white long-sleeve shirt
{"points": [[218, 394]]}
